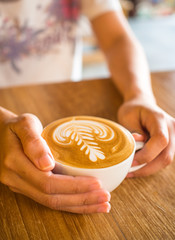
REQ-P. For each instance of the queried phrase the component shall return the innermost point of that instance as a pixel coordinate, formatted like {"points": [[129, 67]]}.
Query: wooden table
{"points": [[142, 208]]}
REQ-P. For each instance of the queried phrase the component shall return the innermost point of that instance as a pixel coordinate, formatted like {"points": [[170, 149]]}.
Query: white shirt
{"points": [[38, 39]]}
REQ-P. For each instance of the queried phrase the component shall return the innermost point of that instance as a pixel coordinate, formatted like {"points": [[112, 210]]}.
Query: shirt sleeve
{"points": [[94, 8]]}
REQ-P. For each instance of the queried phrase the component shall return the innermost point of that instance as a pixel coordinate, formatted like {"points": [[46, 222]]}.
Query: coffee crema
{"points": [[88, 142]]}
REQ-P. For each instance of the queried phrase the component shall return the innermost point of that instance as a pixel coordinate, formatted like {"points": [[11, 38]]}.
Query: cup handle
{"points": [[139, 145]]}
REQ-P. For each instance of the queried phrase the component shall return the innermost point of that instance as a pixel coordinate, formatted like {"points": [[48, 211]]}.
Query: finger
{"points": [[159, 138], [152, 167], [56, 183], [138, 137], [161, 161], [58, 201], [28, 128], [88, 198], [61, 201], [87, 209]]}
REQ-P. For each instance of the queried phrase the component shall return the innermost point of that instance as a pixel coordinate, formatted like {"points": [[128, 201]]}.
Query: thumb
{"points": [[28, 129]]}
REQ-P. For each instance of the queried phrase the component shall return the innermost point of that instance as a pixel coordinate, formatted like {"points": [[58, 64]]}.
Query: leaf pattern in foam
{"points": [[84, 133], [87, 144]]}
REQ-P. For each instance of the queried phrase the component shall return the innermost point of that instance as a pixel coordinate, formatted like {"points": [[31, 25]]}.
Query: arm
{"points": [[124, 54], [139, 112]]}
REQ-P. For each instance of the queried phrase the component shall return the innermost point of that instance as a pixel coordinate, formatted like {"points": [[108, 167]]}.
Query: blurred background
{"points": [[153, 22]]}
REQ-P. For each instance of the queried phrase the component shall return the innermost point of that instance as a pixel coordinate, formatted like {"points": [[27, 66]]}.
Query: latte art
{"points": [[88, 142], [84, 133]]}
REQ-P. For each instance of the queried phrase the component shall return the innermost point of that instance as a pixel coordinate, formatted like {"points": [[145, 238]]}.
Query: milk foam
{"points": [[88, 142], [84, 133]]}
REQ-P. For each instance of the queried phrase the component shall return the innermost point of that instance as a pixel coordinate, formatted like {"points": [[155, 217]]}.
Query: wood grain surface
{"points": [[142, 208]]}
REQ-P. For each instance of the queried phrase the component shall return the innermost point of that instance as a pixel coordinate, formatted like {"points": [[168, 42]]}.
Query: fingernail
{"points": [[105, 208], [46, 162], [130, 175], [104, 198]]}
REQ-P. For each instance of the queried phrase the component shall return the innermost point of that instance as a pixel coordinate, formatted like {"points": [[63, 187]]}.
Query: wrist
{"points": [[140, 95]]}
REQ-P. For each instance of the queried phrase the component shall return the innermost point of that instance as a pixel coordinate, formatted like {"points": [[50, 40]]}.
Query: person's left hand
{"points": [[156, 127]]}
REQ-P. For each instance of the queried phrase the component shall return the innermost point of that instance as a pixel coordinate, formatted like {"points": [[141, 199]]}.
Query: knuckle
{"points": [[84, 200], [163, 139], [5, 179], [54, 202], [25, 119], [76, 185], [75, 188], [31, 141], [167, 161], [45, 186], [7, 162]]}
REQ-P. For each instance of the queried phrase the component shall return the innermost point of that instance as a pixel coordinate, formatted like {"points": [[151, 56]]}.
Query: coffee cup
{"points": [[92, 146]]}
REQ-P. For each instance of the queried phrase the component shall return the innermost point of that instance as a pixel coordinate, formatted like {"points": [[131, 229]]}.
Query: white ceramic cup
{"points": [[110, 177]]}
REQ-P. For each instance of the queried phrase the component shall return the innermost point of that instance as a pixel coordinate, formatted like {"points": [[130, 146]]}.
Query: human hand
{"points": [[25, 167], [157, 129]]}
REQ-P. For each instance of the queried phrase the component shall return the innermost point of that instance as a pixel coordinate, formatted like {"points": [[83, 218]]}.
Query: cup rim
{"points": [[96, 169]]}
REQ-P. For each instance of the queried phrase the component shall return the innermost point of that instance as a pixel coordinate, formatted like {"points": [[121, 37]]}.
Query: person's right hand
{"points": [[25, 167]]}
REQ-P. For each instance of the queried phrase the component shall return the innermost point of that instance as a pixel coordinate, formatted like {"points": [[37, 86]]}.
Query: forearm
{"points": [[129, 69], [125, 57]]}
